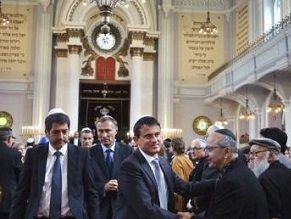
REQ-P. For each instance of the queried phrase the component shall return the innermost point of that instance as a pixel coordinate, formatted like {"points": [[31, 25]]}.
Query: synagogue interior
{"points": [[189, 63]]}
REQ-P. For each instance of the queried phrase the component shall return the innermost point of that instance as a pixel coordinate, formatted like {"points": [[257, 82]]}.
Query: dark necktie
{"points": [[56, 192], [161, 185], [109, 159]]}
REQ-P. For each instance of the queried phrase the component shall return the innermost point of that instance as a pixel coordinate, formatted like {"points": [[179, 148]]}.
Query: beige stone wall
{"points": [[15, 43]]}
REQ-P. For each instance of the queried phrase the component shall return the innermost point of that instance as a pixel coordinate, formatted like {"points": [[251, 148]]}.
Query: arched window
{"points": [[277, 11], [272, 13]]}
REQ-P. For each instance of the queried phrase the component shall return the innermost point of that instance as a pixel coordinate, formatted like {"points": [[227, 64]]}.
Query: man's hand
{"points": [[111, 185], [186, 215]]}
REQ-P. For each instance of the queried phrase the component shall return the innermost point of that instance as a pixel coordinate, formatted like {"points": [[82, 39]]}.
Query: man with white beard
{"points": [[275, 179], [258, 161]]}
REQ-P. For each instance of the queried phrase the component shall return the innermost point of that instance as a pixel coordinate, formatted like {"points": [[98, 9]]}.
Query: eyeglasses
{"points": [[255, 153], [195, 148], [211, 148]]}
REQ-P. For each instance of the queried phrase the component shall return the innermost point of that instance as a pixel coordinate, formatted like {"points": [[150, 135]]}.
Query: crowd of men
{"points": [[81, 179]]}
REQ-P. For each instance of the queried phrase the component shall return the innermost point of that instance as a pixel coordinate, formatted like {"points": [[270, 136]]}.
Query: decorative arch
{"points": [[137, 13]]}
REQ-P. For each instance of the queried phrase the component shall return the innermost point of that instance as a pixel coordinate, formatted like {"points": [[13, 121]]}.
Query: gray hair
{"points": [[228, 141]]}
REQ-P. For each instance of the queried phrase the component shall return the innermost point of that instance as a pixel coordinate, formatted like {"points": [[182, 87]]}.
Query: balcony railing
{"points": [[271, 33]]}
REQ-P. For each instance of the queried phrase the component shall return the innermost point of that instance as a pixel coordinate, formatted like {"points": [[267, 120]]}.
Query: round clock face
{"points": [[201, 124], [105, 41], [5, 119]]}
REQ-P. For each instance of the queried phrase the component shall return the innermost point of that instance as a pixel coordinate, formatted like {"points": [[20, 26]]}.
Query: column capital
{"points": [[137, 51], [148, 56], [75, 33], [75, 49], [61, 37], [61, 53]]}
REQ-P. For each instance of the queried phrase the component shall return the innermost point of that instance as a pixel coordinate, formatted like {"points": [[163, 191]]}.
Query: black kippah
{"points": [[226, 132]]}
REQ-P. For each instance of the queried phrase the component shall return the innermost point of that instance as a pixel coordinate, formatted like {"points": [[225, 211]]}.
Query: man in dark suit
{"points": [[106, 158], [75, 140], [238, 194], [276, 179], [56, 181], [147, 182], [199, 173], [10, 163]]}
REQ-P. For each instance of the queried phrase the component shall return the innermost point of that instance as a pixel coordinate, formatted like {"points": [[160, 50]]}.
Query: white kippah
{"points": [[55, 110], [202, 142], [30, 140], [86, 129]]}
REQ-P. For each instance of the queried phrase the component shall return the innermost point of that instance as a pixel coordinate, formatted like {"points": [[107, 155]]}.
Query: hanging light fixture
{"points": [[208, 27], [275, 105], [4, 19], [221, 119], [247, 114], [105, 7]]}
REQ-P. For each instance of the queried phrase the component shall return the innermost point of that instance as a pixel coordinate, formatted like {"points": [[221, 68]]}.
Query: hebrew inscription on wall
{"points": [[199, 55], [242, 27], [15, 43]]}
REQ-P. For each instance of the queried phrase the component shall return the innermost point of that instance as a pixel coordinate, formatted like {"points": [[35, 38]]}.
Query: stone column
{"points": [[137, 96], [61, 68], [259, 117], [286, 118], [165, 112], [70, 89], [61, 65], [42, 69], [149, 89]]}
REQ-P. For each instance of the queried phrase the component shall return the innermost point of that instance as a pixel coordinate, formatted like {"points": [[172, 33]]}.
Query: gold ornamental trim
{"points": [[61, 53], [137, 35], [147, 56], [61, 37], [75, 33], [137, 52], [75, 49], [149, 41]]}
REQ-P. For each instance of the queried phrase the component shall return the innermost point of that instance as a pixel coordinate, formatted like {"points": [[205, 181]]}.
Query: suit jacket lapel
{"points": [[72, 164], [100, 159], [116, 158], [167, 172], [42, 160], [146, 167]]}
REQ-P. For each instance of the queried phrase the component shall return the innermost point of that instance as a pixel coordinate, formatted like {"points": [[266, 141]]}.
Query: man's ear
{"points": [[135, 139]]}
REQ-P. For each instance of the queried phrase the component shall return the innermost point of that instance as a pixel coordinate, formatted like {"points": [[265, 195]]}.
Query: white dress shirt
{"points": [[44, 206], [150, 159]]}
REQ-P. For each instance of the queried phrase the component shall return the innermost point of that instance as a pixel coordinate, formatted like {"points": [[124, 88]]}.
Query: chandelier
{"points": [[247, 114], [105, 7], [4, 19], [275, 105], [221, 119], [208, 27]]}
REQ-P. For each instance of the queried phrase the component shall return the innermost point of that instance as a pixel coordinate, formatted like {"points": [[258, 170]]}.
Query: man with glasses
{"points": [[201, 172], [276, 179], [258, 161], [237, 194], [10, 163]]}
